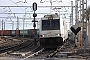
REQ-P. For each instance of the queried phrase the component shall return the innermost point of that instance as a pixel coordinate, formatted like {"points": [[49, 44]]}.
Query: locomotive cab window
{"points": [[51, 24]]}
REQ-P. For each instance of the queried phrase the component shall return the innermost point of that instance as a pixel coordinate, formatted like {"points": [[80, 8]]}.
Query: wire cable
{"points": [[17, 4]]}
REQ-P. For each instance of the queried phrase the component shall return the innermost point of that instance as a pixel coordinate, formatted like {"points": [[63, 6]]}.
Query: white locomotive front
{"points": [[51, 31]]}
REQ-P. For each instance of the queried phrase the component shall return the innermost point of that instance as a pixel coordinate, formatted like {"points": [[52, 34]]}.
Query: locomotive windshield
{"points": [[51, 24]]}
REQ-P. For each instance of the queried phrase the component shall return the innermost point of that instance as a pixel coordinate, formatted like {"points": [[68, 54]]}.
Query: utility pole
{"points": [[70, 21], [23, 25], [24, 21], [71, 15], [2, 27], [17, 29], [84, 30], [12, 25], [76, 11]]}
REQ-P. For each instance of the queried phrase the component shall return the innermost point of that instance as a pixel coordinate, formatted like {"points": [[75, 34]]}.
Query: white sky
{"points": [[29, 24]]}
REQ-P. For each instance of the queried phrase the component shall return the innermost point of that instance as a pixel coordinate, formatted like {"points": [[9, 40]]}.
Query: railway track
{"points": [[9, 49], [42, 53], [65, 51], [66, 47], [31, 51], [24, 52], [35, 52], [8, 41], [46, 53]]}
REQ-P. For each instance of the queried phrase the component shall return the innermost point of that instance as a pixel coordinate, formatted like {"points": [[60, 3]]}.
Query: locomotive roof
{"points": [[51, 15]]}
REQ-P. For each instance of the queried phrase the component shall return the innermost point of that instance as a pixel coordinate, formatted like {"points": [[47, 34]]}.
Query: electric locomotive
{"points": [[53, 31]]}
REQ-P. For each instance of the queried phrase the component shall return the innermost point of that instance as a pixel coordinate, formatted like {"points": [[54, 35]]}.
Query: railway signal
{"points": [[34, 6], [34, 15], [75, 31], [72, 29]]}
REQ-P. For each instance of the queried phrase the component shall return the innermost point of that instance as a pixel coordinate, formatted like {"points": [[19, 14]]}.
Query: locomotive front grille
{"points": [[51, 35]]}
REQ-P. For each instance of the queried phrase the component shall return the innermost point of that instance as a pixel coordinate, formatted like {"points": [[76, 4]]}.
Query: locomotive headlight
{"points": [[57, 34], [43, 35]]}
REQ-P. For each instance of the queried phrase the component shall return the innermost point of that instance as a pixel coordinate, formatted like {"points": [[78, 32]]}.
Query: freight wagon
{"points": [[20, 33]]}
